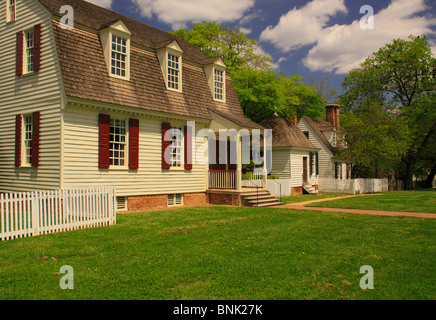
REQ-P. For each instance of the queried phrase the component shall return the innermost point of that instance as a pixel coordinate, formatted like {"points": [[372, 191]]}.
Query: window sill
{"points": [[174, 90], [126, 78], [28, 74]]}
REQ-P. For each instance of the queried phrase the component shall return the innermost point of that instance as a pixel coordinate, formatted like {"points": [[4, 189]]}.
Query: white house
{"points": [[327, 136], [294, 157], [112, 102]]}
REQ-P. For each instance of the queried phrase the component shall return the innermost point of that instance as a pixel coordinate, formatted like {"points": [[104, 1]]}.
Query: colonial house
{"points": [[112, 101], [328, 137], [294, 157]]}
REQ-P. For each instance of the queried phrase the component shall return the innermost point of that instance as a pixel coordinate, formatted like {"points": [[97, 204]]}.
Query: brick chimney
{"points": [[332, 114], [295, 119]]}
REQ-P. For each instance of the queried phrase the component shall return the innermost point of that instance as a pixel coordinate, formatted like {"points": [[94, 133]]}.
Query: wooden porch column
{"points": [[265, 170], [239, 164]]}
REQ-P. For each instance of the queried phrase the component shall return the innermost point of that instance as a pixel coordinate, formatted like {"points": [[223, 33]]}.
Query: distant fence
{"points": [[352, 185], [41, 212], [279, 187]]}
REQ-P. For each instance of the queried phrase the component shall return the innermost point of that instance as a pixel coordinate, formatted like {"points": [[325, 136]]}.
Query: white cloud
{"points": [[178, 13], [339, 48], [300, 27], [102, 3]]}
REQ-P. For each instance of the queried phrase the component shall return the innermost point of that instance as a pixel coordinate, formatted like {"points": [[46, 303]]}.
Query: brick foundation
{"points": [[297, 191], [149, 202], [226, 199]]}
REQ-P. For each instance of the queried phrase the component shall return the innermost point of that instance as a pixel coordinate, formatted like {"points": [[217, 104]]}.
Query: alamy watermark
{"points": [[67, 281], [367, 21], [367, 281]]}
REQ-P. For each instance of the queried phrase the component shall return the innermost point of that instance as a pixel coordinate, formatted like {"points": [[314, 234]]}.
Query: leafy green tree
{"points": [[233, 46], [400, 78], [376, 141], [261, 91], [265, 93]]}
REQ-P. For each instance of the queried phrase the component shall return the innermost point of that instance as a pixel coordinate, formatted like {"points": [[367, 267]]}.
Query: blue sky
{"points": [[306, 37]]}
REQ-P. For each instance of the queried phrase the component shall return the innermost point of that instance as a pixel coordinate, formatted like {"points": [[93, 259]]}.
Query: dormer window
{"points": [[118, 56], [115, 40], [170, 59], [173, 72], [219, 84], [216, 76], [10, 11]]}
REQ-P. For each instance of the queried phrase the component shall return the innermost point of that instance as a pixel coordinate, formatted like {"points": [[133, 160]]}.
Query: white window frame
{"points": [[219, 84], [11, 11], [26, 140], [177, 148], [116, 139], [174, 200], [173, 67], [28, 51], [119, 50]]}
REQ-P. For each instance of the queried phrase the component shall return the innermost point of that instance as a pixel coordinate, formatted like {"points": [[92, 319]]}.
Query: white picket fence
{"points": [[41, 212], [352, 185]]}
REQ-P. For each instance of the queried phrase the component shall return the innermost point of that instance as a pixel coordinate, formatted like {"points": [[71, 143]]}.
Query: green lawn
{"points": [[407, 201], [228, 253], [309, 197]]}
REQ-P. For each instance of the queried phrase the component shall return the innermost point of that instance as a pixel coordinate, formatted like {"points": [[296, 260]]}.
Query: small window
{"points": [[121, 203], [334, 139], [118, 56], [219, 84], [175, 200], [173, 72], [10, 10], [176, 147], [117, 149], [306, 133], [27, 140], [29, 50]]}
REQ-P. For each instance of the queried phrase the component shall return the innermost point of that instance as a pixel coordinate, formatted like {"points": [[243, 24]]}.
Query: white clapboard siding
{"points": [[23, 95], [281, 162], [325, 156], [81, 157], [41, 212]]}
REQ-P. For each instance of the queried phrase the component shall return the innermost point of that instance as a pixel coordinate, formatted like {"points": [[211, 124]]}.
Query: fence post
{"points": [[35, 214]]}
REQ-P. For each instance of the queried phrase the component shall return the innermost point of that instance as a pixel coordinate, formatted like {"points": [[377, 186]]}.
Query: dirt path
{"points": [[302, 206]]}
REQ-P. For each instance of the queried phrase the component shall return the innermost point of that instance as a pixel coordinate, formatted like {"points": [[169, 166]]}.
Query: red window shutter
{"points": [[18, 126], [104, 126], [37, 48], [36, 121], [188, 148], [133, 144], [165, 146], [19, 53]]}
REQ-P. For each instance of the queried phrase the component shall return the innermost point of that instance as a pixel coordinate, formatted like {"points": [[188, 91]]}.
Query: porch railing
{"points": [[252, 179], [222, 179]]}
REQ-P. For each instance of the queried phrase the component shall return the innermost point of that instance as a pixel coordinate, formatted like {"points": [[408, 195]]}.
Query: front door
{"points": [[305, 170]]}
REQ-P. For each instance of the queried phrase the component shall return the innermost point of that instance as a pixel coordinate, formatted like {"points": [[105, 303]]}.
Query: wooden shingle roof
{"points": [[286, 134], [85, 75], [319, 126]]}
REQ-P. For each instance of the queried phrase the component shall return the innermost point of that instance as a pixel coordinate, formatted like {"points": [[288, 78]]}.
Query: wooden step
{"points": [[269, 199], [271, 204]]}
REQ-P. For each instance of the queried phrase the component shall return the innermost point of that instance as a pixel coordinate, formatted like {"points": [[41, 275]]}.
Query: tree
{"points": [[400, 78], [261, 91], [323, 89], [376, 141], [265, 93], [233, 46]]}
